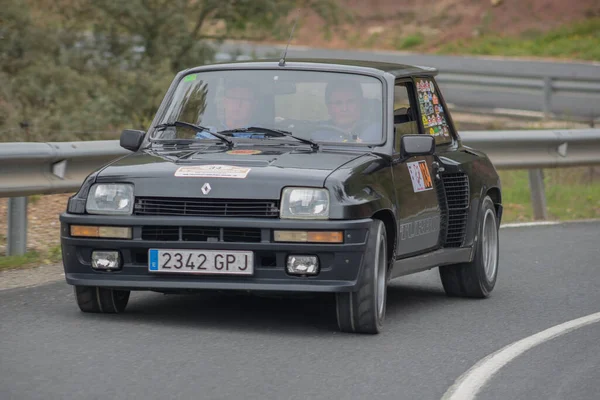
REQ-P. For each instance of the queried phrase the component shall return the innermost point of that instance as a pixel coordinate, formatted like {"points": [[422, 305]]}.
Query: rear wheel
{"points": [[363, 311], [101, 300], [478, 277]]}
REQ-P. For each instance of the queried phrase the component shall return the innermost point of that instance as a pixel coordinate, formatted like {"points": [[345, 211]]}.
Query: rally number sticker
{"points": [[419, 175]]}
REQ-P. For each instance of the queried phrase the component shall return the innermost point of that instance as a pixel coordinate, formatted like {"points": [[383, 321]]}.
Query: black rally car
{"points": [[299, 176]]}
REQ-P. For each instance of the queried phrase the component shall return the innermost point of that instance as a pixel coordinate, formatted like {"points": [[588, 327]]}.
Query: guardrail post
{"points": [[16, 244], [548, 96], [538, 194]]}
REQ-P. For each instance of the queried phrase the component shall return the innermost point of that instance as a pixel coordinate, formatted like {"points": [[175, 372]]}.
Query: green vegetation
{"points": [[34, 198], [409, 41], [31, 259], [372, 40], [85, 69], [576, 41], [571, 193]]}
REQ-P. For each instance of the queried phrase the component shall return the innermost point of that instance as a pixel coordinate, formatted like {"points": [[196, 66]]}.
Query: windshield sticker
{"points": [[212, 171], [419, 175], [190, 78], [244, 151]]}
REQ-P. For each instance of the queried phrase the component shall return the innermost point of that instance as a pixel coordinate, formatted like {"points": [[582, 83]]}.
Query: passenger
{"points": [[345, 103]]}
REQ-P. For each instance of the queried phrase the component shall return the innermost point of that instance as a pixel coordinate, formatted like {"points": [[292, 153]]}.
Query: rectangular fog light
{"points": [[113, 232], [303, 265], [309, 236], [106, 260]]}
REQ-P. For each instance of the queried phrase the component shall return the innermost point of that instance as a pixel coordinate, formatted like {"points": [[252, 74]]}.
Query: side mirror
{"points": [[131, 139], [417, 145]]}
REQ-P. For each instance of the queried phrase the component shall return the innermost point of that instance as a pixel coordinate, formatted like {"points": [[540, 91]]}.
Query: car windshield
{"points": [[324, 107]]}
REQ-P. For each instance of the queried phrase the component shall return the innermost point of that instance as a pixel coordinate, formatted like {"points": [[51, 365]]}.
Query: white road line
{"points": [[470, 383], [535, 223], [543, 223]]}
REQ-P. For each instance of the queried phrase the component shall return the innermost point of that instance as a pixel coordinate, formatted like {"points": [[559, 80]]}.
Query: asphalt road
{"points": [[568, 104], [227, 347]]}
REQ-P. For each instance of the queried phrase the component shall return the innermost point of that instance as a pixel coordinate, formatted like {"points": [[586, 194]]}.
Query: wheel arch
{"points": [[496, 196], [389, 221]]}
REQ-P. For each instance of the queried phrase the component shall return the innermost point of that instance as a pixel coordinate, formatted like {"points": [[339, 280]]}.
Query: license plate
{"points": [[229, 262]]}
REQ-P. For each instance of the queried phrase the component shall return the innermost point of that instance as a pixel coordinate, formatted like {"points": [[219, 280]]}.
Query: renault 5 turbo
{"points": [[303, 176]]}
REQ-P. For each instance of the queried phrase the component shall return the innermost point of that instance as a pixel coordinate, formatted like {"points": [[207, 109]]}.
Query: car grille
{"points": [[456, 188], [201, 234], [206, 207]]}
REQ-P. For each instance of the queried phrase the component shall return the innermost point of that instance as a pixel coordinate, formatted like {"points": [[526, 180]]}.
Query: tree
{"points": [[42, 85], [106, 64]]}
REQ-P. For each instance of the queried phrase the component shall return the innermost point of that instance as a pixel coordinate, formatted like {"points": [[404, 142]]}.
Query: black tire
{"points": [[101, 300], [470, 279], [358, 312]]}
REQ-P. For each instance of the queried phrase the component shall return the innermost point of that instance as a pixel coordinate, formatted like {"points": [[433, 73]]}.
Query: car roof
{"points": [[328, 64]]}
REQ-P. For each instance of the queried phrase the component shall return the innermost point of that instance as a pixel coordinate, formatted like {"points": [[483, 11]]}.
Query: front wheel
{"points": [[478, 277], [363, 311], [101, 300]]}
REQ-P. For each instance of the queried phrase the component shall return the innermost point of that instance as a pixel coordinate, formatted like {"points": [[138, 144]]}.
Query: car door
{"points": [[461, 173], [418, 206]]}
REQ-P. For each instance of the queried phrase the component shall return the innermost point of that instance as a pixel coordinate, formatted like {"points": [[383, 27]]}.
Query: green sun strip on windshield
{"points": [[190, 78]]}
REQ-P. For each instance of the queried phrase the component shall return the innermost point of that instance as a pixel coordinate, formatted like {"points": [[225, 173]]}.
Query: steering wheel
{"points": [[359, 127]]}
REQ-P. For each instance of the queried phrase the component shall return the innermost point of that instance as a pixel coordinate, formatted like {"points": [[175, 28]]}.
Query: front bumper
{"points": [[340, 264]]}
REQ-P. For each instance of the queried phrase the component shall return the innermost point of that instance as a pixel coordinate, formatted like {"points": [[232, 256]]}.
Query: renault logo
{"points": [[206, 188]]}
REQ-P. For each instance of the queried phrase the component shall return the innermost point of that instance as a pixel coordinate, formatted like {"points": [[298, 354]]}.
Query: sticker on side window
{"points": [[419, 175]]}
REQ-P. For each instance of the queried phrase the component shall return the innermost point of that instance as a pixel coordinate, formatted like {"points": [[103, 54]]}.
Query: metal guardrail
{"points": [[563, 89], [547, 86], [48, 168], [537, 149]]}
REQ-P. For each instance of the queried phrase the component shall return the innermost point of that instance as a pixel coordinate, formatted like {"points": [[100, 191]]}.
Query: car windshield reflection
{"points": [[314, 106]]}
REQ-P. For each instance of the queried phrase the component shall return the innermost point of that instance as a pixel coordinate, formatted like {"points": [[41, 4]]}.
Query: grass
{"points": [[34, 198], [575, 41], [570, 194], [409, 41], [372, 40], [31, 259]]}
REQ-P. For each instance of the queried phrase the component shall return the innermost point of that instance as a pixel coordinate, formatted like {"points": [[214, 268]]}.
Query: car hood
{"points": [[249, 173]]}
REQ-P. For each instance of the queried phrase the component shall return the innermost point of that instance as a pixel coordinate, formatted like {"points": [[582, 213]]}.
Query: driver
{"points": [[239, 104], [344, 99], [239, 107]]}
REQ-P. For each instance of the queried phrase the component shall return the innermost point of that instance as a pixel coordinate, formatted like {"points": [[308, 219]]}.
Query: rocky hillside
{"points": [[428, 25]]}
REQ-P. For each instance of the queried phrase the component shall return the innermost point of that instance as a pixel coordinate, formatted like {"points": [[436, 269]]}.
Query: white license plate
{"points": [[229, 262]]}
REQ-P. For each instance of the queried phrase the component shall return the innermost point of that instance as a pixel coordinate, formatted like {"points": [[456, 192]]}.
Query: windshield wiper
{"points": [[196, 127], [273, 133], [174, 142]]}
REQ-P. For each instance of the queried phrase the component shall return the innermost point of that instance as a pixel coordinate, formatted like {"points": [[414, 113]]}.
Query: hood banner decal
{"points": [[212, 171]]}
